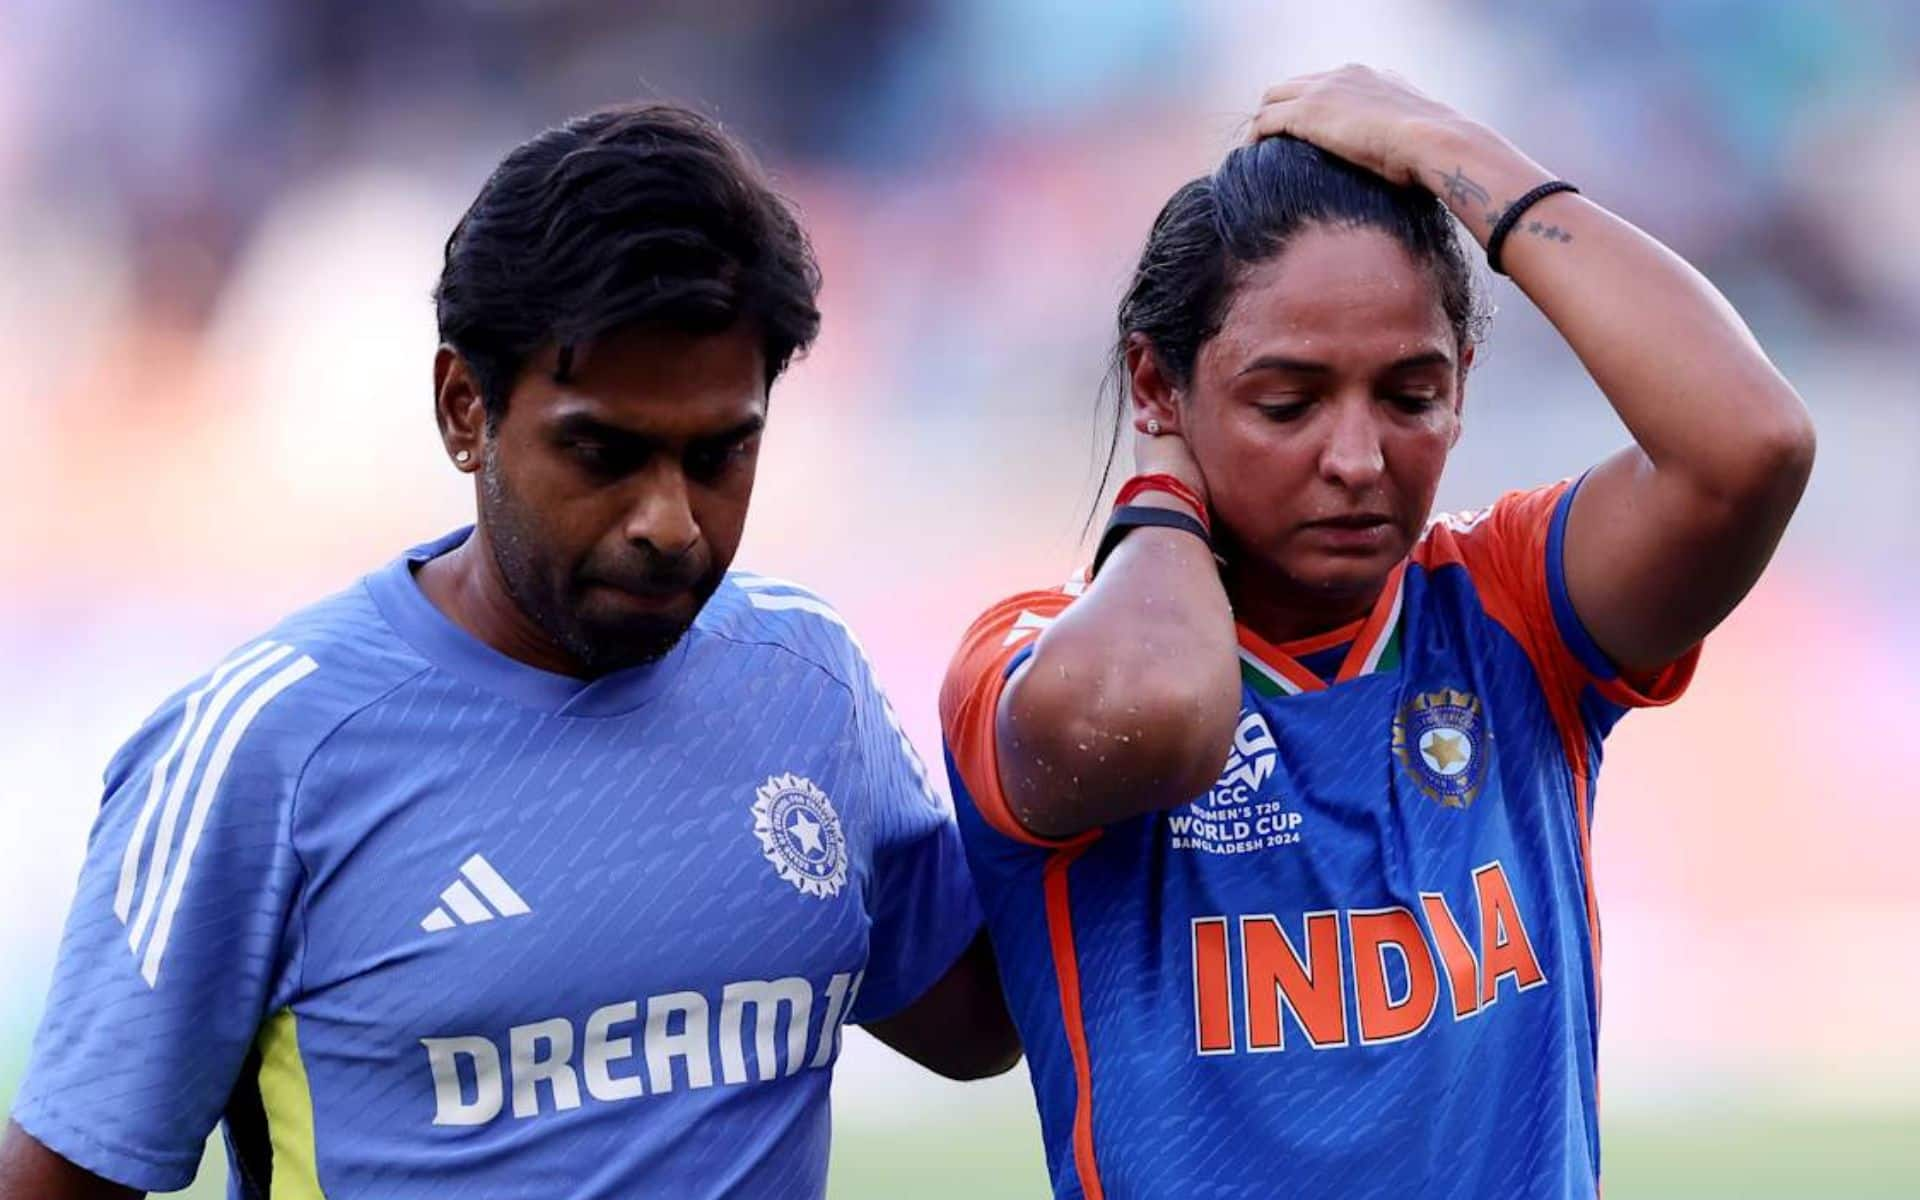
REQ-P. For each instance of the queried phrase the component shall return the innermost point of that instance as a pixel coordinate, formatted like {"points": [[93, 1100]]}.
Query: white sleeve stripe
{"points": [[808, 604], [752, 583], [177, 792], [130, 863], [203, 800]]}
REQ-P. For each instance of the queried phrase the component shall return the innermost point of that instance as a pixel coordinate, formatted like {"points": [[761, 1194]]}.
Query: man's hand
{"points": [[960, 1027], [30, 1171]]}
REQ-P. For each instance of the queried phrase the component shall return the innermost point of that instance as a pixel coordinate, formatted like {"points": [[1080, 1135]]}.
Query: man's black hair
{"points": [[641, 214]]}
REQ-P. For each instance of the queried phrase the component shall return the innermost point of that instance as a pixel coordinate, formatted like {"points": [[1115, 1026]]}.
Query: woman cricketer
{"points": [[1280, 816]]}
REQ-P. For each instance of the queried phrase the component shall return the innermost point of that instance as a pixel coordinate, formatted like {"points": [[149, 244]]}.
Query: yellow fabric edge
{"points": [[288, 1101]]}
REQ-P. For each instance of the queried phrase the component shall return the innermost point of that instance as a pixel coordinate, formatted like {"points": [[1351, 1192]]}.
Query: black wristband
{"points": [[1504, 226], [1133, 516]]}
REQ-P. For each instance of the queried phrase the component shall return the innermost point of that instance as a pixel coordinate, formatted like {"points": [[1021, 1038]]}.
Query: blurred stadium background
{"points": [[219, 223]]}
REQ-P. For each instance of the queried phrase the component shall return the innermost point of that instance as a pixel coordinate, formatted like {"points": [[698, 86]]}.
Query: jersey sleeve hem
{"points": [[891, 1005], [120, 1164], [1654, 689], [1572, 630]]}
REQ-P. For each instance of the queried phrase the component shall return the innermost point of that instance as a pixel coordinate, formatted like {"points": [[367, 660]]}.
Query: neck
{"points": [[1280, 610], [465, 584]]}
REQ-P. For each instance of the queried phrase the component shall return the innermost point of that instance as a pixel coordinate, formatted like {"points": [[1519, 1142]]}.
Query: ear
{"points": [[1152, 394], [459, 409], [1460, 397]]}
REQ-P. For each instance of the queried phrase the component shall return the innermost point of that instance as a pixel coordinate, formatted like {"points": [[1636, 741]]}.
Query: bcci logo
{"points": [[1441, 738], [800, 834]]}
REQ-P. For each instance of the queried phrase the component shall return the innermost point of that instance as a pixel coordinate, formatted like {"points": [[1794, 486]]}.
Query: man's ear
{"points": [[459, 409]]}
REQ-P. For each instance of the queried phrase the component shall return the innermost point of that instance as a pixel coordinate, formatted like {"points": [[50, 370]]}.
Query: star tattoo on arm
{"points": [[1552, 233], [1461, 191]]}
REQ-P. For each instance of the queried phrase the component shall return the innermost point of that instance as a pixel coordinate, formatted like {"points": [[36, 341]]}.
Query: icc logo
{"points": [[800, 834], [1442, 740]]}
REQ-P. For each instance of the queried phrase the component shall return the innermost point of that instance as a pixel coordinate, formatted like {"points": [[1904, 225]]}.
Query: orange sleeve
{"points": [[1512, 552], [970, 704]]}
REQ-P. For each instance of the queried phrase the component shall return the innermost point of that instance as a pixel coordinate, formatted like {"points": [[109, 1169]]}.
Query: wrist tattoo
{"points": [[1463, 193], [1552, 233]]}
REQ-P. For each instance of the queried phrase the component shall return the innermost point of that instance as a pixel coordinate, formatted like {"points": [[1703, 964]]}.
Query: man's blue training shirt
{"points": [[413, 917]]}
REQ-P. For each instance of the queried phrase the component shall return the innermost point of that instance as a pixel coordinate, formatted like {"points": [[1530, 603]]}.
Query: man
{"points": [[549, 859]]}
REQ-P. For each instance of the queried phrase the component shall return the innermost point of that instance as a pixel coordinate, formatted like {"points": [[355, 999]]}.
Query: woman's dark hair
{"points": [[644, 213], [1215, 228]]}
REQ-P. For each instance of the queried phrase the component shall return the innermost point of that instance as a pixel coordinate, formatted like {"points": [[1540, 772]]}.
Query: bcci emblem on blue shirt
{"points": [[800, 834], [1442, 739]]}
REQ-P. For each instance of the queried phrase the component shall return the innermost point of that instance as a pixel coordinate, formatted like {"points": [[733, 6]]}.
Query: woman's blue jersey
{"points": [[1365, 963]]}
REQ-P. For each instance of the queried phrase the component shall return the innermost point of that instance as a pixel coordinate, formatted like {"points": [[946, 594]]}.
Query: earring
{"points": [[463, 457], [1153, 427]]}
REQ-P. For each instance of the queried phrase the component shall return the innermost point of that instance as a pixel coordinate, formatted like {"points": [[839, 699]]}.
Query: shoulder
{"points": [[1517, 523], [999, 637], [997, 642], [1022, 615], [269, 702], [788, 620], [1502, 536]]}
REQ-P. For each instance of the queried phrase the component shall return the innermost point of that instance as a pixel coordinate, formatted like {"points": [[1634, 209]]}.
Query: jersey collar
{"points": [[438, 639], [1277, 670]]}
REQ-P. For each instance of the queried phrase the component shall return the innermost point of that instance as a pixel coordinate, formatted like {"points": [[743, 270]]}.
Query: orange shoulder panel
{"points": [[1504, 550], [970, 702]]}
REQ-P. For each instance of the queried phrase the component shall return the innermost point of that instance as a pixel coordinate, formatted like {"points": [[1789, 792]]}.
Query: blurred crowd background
{"points": [[220, 222]]}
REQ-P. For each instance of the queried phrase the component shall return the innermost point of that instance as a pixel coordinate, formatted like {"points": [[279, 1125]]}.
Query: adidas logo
{"points": [[464, 905]]}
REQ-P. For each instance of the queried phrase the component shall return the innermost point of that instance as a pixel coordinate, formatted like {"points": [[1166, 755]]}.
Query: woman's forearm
{"points": [[1665, 537], [1670, 354]]}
